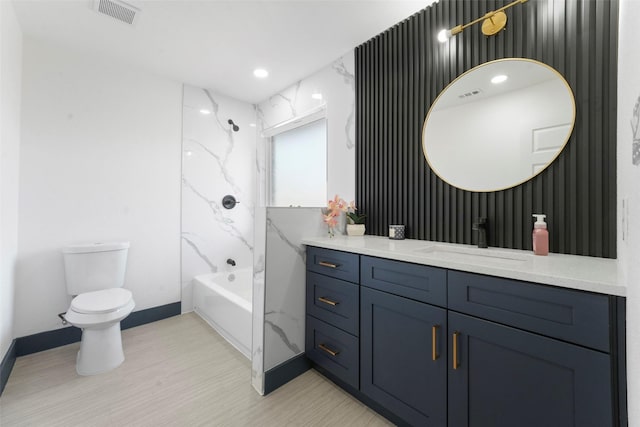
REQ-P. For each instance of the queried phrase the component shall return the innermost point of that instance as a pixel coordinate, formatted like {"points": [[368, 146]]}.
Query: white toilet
{"points": [[95, 273]]}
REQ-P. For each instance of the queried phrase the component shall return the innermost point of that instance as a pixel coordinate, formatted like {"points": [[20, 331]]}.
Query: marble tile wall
{"points": [[278, 333], [336, 83], [284, 316], [216, 161]]}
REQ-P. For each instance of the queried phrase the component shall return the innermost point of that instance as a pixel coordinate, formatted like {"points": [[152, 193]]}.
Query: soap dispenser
{"points": [[540, 236]]}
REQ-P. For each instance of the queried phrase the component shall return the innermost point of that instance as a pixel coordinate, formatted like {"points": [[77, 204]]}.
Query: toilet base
{"points": [[100, 350]]}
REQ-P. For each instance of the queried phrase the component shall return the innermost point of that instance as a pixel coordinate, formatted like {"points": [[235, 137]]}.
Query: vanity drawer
{"points": [[334, 350], [570, 315], [341, 265], [418, 282], [333, 301]]}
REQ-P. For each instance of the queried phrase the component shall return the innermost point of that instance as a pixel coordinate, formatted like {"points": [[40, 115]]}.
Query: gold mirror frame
{"points": [[469, 182]]}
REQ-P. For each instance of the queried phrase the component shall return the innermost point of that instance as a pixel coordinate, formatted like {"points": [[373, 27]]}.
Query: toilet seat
{"points": [[103, 301]]}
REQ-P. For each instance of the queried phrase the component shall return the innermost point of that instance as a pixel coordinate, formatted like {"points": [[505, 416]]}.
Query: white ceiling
{"points": [[217, 44]]}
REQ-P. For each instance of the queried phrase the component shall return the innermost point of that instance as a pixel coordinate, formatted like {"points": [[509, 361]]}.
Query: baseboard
{"points": [[285, 372], [6, 365], [59, 337], [152, 314]]}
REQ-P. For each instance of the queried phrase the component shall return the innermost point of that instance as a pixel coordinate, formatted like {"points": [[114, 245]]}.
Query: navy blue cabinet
{"points": [[333, 313], [437, 347], [503, 377], [403, 357], [333, 349]]}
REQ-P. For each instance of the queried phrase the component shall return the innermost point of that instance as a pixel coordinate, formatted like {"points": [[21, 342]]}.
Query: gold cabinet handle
{"points": [[327, 264], [327, 301], [456, 334], [328, 350], [434, 342]]}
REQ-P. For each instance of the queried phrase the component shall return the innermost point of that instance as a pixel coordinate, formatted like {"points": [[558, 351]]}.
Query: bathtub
{"points": [[224, 301]]}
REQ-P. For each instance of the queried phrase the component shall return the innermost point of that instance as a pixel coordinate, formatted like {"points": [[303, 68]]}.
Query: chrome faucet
{"points": [[481, 226]]}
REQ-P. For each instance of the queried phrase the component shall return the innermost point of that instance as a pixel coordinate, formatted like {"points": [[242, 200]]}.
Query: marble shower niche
{"points": [[216, 161]]}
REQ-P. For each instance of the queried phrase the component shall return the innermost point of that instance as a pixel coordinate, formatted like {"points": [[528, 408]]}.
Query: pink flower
{"points": [[330, 219], [337, 204]]}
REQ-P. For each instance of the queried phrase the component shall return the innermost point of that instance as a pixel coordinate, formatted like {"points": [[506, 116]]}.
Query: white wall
{"points": [[10, 77], [216, 161], [628, 179], [100, 161]]}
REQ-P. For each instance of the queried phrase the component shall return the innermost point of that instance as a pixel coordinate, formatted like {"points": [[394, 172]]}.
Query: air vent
{"points": [[118, 10], [469, 94]]}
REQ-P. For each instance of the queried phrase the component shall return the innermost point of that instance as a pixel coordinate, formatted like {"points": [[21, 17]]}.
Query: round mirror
{"points": [[498, 125]]}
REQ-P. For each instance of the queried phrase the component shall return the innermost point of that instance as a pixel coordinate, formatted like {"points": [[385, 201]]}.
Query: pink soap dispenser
{"points": [[540, 236]]}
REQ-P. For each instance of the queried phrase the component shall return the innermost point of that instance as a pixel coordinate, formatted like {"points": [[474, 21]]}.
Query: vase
{"points": [[355, 229]]}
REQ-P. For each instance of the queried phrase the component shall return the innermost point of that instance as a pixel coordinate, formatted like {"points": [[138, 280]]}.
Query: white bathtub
{"points": [[224, 301]]}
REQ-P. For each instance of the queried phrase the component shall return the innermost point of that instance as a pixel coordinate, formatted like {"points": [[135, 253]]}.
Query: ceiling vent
{"points": [[118, 10], [471, 93]]}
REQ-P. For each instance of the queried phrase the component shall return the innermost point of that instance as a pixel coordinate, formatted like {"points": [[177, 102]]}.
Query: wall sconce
{"points": [[492, 23]]}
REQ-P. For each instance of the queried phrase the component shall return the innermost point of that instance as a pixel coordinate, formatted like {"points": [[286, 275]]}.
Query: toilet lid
{"points": [[102, 301]]}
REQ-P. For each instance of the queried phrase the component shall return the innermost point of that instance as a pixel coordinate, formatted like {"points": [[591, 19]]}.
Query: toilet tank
{"points": [[95, 266]]}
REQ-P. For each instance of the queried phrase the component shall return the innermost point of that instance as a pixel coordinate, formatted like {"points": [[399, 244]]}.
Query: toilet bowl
{"points": [[95, 274], [98, 314]]}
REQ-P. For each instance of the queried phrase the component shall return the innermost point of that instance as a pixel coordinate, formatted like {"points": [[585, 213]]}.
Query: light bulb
{"points": [[444, 35]]}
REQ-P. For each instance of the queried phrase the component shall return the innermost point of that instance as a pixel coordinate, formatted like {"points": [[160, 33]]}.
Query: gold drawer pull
{"points": [[434, 342], [327, 264], [456, 334], [328, 350], [327, 301]]}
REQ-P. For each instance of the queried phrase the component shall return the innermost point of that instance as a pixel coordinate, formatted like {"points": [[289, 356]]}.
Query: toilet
{"points": [[95, 275]]}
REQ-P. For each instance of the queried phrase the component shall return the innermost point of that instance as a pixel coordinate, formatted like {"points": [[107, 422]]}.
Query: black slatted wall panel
{"points": [[399, 74]]}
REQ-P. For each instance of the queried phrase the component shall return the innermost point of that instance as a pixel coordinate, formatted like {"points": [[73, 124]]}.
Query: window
{"points": [[298, 166]]}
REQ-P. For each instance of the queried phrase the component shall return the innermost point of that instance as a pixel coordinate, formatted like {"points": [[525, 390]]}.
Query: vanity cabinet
{"points": [[501, 376], [526, 354], [403, 362], [333, 306], [403, 339], [440, 347]]}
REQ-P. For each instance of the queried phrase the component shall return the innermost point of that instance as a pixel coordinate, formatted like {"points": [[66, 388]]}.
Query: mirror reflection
{"points": [[498, 125]]}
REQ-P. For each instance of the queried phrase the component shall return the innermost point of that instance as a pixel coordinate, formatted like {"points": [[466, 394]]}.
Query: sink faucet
{"points": [[481, 225]]}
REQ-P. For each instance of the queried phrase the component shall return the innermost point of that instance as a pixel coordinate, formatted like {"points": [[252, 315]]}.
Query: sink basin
{"points": [[475, 255]]}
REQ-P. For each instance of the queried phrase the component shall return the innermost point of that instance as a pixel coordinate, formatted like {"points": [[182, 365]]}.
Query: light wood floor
{"points": [[177, 372]]}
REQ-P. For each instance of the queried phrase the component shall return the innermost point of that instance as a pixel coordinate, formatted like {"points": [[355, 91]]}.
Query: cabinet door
{"points": [[508, 377], [399, 340]]}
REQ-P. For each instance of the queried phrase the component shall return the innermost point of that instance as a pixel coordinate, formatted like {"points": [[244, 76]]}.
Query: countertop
{"points": [[585, 273]]}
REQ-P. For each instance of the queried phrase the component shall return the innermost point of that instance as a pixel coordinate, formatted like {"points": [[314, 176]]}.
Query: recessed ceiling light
{"points": [[260, 73], [499, 79], [205, 111], [316, 95]]}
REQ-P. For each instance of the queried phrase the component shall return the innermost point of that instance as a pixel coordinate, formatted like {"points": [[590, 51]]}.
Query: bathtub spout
{"points": [[231, 262]]}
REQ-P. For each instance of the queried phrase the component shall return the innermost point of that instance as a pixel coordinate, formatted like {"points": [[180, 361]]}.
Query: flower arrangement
{"points": [[335, 207]]}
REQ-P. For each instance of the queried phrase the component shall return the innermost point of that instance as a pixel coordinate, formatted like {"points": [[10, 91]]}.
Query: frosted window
{"points": [[299, 166]]}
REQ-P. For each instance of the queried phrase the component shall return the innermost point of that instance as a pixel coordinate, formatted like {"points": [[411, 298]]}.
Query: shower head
{"points": [[233, 125]]}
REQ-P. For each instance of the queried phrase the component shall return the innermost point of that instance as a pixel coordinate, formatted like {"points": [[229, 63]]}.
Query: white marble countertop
{"points": [[569, 271]]}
